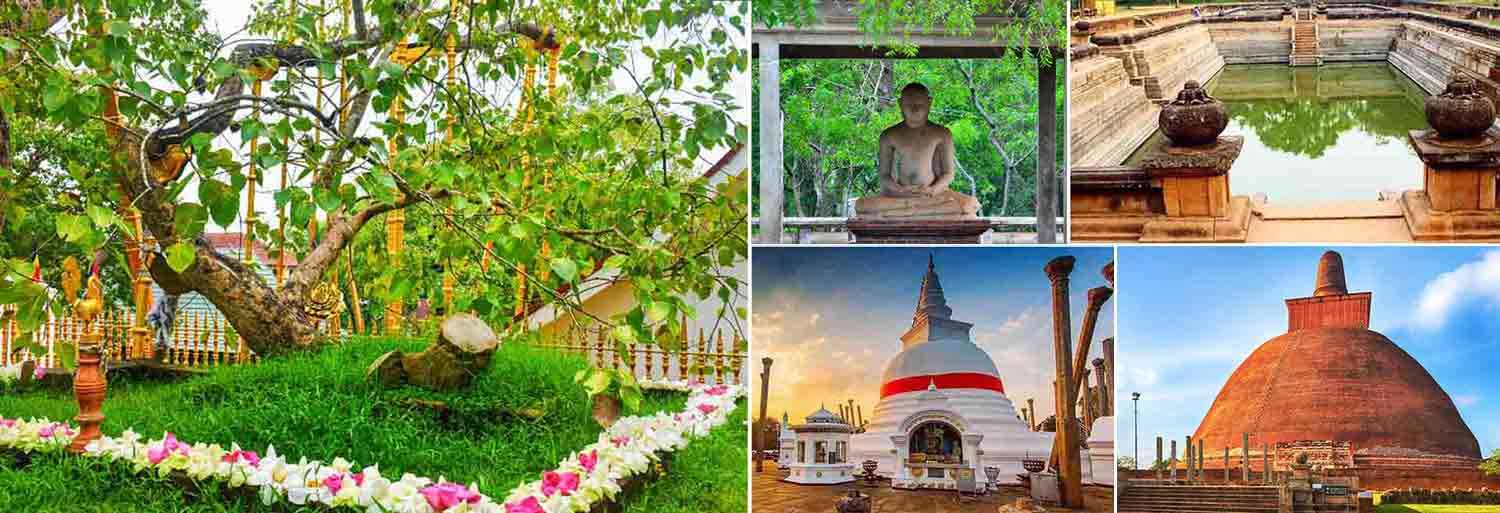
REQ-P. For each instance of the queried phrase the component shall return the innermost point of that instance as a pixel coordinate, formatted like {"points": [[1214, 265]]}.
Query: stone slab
{"points": [[1323, 210], [925, 231], [1165, 159], [1468, 153], [1429, 225], [1383, 229]]}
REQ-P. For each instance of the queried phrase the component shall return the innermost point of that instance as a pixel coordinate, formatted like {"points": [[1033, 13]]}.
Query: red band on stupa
{"points": [[943, 381]]}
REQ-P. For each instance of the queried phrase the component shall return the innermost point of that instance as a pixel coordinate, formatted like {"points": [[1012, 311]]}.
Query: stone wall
{"points": [[1357, 40], [1261, 42], [1109, 116], [1430, 53]]}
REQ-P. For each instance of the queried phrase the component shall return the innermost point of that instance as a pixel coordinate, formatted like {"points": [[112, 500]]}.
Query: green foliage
{"points": [[615, 383], [1491, 465], [611, 161], [835, 110]]}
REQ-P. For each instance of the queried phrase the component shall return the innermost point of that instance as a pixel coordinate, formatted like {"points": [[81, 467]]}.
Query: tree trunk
{"points": [[796, 179]]}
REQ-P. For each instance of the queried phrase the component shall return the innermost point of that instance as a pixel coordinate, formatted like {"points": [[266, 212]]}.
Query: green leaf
{"points": [[100, 215], [189, 220], [8, 44], [624, 333], [565, 268], [631, 397], [328, 199], [659, 311], [598, 382], [223, 203], [180, 256]]}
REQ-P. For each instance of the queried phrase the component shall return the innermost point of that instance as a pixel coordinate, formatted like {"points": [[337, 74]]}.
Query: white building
{"points": [[822, 450], [943, 414], [787, 443]]}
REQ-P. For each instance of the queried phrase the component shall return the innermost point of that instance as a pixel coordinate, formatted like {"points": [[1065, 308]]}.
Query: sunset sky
{"points": [[1189, 316], [832, 317]]}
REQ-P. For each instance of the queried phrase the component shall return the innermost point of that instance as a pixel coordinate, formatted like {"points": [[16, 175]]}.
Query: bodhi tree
{"points": [[370, 108]]}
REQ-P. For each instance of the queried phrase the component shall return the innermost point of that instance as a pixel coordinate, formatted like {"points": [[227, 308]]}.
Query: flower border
{"points": [[628, 450]]}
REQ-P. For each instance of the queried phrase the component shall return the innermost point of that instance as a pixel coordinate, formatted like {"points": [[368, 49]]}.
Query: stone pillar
{"points": [[1460, 157], [1245, 458], [1201, 475], [1086, 400], [1069, 472], [860, 411], [1172, 462], [1265, 462], [1156, 465], [1225, 463], [1031, 412], [765, 389], [1106, 388], [1187, 456], [770, 121]]}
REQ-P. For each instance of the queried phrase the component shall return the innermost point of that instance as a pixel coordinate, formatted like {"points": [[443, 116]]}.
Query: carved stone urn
{"points": [[855, 503], [1461, 111], [1194, 118]]}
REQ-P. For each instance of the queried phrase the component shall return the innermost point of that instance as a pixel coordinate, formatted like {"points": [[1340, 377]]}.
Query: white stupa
{"points": [[786, 442], [943, 414]]}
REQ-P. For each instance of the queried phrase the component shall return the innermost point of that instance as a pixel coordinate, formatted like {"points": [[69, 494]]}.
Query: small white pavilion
{"points": [[822, 450]]}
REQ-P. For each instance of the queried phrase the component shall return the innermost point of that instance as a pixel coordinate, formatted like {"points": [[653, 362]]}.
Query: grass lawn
{"points": [[1435, 508], [319, 406]]}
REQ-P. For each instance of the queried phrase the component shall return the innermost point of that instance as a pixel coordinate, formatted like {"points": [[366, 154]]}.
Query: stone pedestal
{"points": [[1458, 197], [917, 231], [1177, 194]]}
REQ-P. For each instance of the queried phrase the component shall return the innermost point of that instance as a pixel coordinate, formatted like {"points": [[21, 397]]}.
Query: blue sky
{"points": [[1190, 315], [831, 317]]}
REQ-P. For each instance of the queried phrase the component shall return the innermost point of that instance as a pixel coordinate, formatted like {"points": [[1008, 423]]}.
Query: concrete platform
{"points": [[771, 495]]}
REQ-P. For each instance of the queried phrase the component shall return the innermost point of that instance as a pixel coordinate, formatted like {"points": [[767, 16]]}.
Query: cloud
{"points": [[1443, 295], [1465, 400]]}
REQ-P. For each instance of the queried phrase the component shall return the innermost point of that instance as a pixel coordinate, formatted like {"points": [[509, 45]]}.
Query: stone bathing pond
{"points": [[1324, 99]]}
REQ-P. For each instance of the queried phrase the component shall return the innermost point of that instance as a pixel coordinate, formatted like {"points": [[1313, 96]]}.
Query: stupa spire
{"points": [[930, 300], [1330, 275]]}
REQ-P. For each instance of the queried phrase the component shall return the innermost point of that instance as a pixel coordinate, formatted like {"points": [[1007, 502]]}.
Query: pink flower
{"points": [[248, 457], [7, 423], [55, 428], [718, 390], [677, 417], [359, 479], [442, 496], [620, 441], [559, 482], [527, 505], [694, 382], [39, 372], [589, 461], [707, 408], [169, 445], [334, 482]]}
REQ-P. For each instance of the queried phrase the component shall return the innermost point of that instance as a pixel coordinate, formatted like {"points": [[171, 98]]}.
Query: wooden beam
{"points": [[1046, 153], [770, 143]]}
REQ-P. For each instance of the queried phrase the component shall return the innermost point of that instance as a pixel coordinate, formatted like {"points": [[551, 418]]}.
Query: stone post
{"points": [[1031, 412], [1265, 462], [1461, 159], [1106, 388], [1068, 465], [1086, 400], [1172, 463], [765, 389], [1156, 465], [1097, 297], [1187, 457], [1201, 475], [859, 410], [1245, 458], [770, 124], [1225, 462]]}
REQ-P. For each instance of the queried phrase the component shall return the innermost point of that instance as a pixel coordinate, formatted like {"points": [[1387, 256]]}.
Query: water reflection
{"points": [[1331, 132]]}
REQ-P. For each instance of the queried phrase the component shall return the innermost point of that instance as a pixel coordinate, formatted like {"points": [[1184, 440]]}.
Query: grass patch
{"points": [[319, 406], [1435, 508]]}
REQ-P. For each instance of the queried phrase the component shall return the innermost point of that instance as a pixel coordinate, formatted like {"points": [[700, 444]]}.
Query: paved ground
{"points": [[771, 495]]}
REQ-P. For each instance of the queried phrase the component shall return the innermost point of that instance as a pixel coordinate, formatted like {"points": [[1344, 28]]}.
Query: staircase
{"points": [[1139, 498], [1305, 40]]}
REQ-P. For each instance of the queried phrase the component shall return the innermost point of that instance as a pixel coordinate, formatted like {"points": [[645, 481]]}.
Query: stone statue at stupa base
{"points": [[916, 165]]}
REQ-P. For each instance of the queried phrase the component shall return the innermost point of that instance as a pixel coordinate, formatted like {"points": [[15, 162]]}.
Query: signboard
{"points": [[1336, 490]]}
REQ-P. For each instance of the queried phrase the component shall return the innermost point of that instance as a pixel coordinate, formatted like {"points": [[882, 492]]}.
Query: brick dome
{"points": [[1336, 383]]}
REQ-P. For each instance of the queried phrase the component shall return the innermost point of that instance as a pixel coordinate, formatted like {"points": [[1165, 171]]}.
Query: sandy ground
{"points": [[771, 495]]}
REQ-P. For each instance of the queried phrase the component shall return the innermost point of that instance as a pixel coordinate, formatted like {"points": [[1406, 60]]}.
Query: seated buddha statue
{"points": [[916, 164]]}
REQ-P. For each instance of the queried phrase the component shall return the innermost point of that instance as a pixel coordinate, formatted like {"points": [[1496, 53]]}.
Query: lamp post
{"points": [[1135, 402]]}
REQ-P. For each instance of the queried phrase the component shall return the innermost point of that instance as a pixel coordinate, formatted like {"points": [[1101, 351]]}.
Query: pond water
{"points": [[1334, 132]]}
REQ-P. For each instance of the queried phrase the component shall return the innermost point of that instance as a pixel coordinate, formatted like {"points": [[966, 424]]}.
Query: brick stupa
{"points": [[1333, 387]]}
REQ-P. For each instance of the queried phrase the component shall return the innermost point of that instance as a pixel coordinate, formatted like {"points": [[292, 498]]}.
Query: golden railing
{"points": [[198, 340], [710, 357]]}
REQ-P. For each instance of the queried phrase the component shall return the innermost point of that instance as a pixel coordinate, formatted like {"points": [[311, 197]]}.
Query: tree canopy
{"points": [[501, 179]]}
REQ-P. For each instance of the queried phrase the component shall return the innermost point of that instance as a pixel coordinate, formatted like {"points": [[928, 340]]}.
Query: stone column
{"points": [[1201, 475], [1069, 473], [770, 121], [765, 390], [1172, 462], [1031, 412], [1225, 462], [1106, 386], [1046, 160], [1461, 157], [1265, 462], [1086, 400], [1187, 456], [1156, 465], [1245, 458]]}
